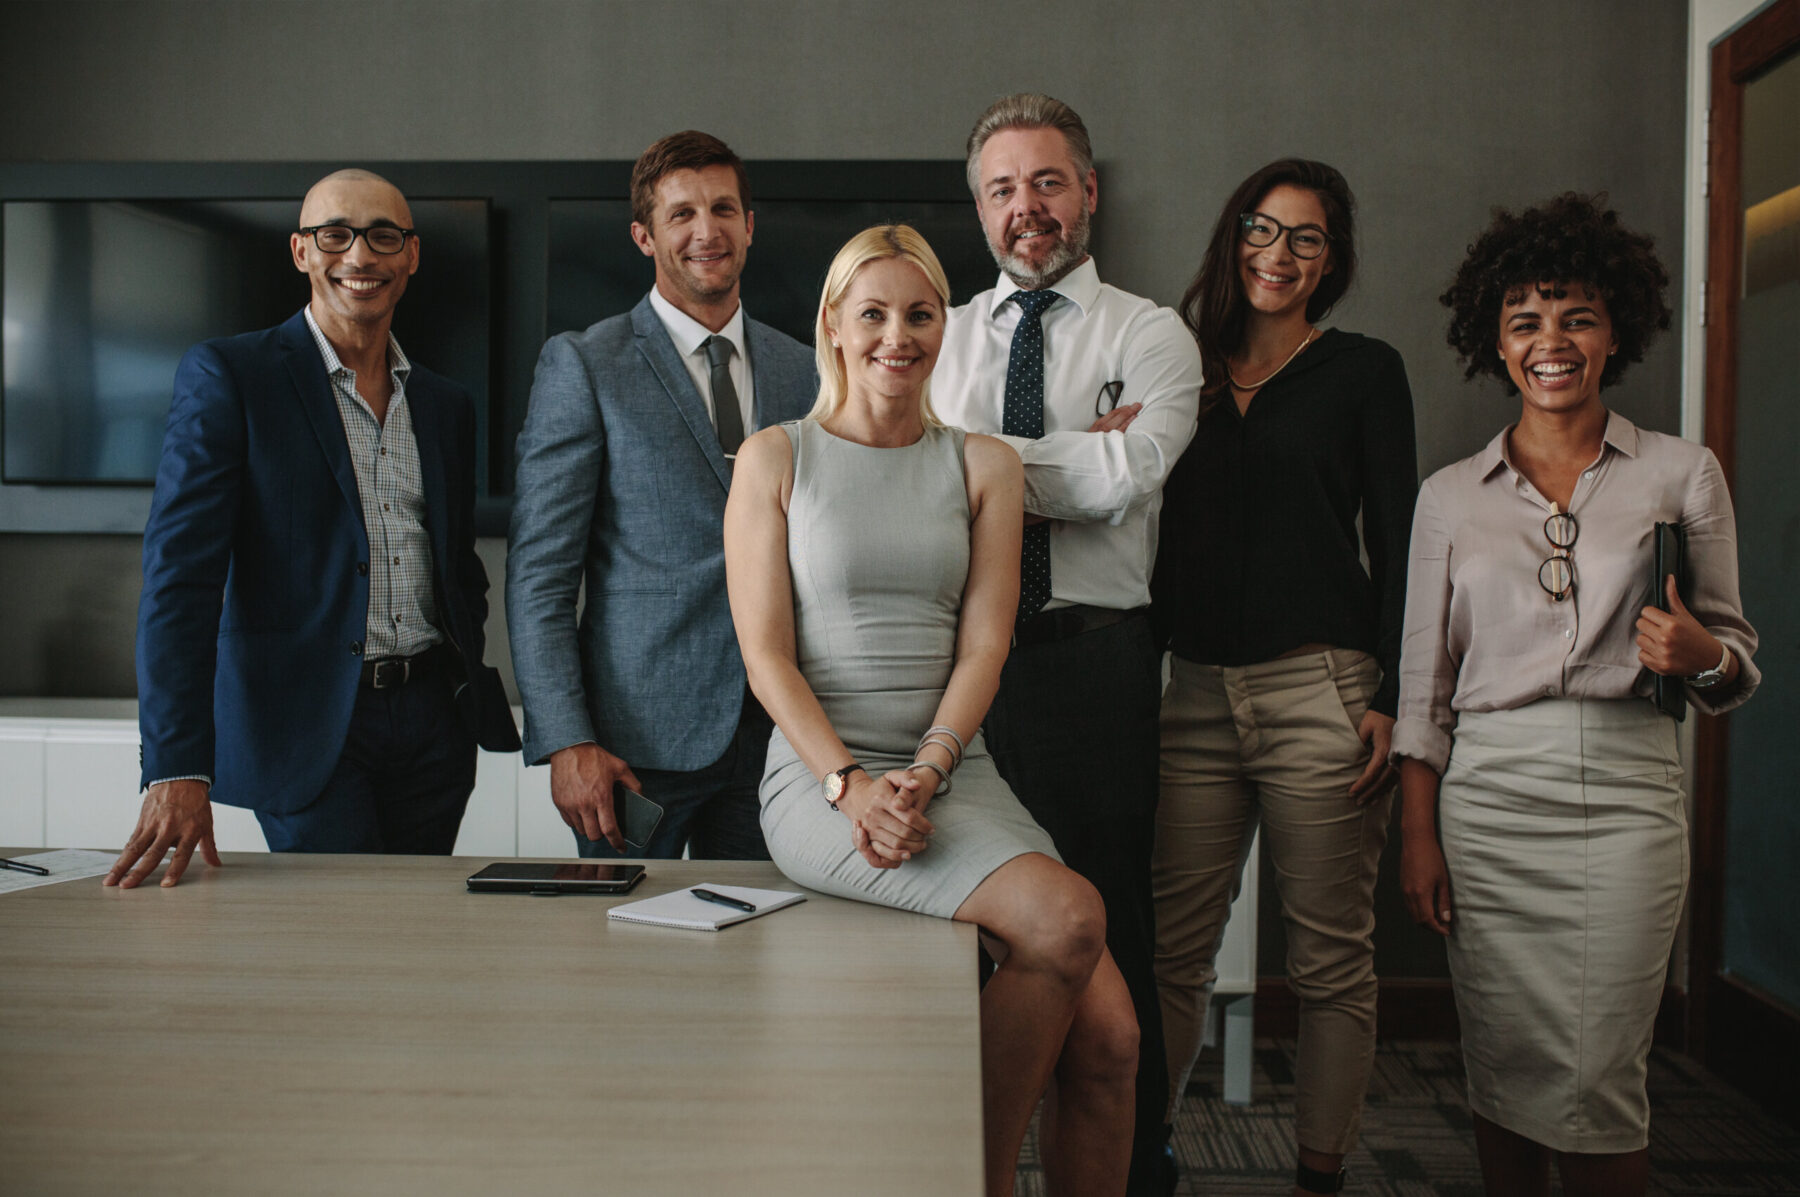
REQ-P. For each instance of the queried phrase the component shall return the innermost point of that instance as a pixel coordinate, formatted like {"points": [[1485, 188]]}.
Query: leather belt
{"points": [[1066, 623], [386, 673]]}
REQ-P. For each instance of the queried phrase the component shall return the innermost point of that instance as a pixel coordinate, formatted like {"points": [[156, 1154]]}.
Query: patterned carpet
{"points": [[1705, 1138]]}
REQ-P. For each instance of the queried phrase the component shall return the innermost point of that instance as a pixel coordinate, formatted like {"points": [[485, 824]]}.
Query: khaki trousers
{"points": [[1276, 744]]}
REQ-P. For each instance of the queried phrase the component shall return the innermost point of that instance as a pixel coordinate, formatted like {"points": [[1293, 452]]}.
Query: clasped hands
{"points": [[887, 814]]}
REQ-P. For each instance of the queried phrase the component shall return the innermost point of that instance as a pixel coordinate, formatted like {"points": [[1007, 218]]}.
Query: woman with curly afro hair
{"points": [[1543, 832]]}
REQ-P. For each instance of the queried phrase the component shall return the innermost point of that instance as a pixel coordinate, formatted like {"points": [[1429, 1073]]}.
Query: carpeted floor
{"points": [[1705, 1138]]}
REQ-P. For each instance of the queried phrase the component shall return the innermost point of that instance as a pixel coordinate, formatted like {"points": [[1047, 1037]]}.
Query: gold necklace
{"points": [[1257, 386]]}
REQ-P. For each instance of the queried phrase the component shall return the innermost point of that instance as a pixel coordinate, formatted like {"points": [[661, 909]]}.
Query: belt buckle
{"points": [[390, 673]]}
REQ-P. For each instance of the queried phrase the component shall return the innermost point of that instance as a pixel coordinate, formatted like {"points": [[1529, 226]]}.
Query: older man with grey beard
{"points": [[1099, 392]]}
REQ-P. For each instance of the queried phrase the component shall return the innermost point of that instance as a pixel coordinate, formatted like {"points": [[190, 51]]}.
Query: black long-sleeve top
{"points": [[1259, 551]]}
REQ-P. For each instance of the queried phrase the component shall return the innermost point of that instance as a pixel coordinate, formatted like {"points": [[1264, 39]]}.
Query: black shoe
{"points": [[1153, 1173]]}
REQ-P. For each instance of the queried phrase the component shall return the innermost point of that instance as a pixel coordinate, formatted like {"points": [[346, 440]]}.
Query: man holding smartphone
{"points": [[624, 464]]}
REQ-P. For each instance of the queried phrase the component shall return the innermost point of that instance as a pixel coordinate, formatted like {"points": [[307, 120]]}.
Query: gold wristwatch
{"points": [[836, 782]]}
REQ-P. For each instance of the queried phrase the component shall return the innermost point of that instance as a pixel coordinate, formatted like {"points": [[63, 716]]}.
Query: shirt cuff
{"points": [[544, 759], [183, 777], [1717, 700], [1422, 740]]}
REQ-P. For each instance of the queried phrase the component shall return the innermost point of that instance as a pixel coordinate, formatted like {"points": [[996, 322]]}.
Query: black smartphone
{"points": [[527, 877], [638, 817]]}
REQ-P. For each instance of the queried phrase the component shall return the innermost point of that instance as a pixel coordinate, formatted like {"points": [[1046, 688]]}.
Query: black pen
{"points": [[40, 871], [706, 895]]}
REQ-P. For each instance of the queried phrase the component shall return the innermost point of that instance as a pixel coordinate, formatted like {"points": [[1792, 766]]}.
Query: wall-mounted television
{"points": [[102, 297], [112, 269]]}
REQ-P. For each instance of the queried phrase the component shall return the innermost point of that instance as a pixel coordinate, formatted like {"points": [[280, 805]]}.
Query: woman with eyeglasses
{"points": [[1542, 829], [1285, 649]]}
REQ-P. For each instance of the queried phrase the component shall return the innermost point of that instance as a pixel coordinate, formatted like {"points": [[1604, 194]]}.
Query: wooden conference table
{"points": [[315, 1024]]}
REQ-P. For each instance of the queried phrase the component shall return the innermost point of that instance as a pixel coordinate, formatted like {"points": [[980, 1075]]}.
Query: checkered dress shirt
{"points": [[403, 617]]}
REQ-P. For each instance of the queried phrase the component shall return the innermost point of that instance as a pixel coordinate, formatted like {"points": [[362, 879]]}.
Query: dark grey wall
{"points": [[1434, 111]]}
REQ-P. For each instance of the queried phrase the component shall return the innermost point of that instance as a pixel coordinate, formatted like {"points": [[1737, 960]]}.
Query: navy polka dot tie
{"points": [[1023, 415]]}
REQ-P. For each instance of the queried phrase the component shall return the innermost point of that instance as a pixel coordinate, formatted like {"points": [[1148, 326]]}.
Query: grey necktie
{"points": [[727, 417]]}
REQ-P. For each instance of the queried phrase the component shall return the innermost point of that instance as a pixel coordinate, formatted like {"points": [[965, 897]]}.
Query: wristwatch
{"points": [[836, 782], [1713, 676], [1311, 1180]]}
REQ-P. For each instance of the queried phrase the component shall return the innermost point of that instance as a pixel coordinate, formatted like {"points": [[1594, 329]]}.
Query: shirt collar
{"points": [[1080, 286], [689, 334], [1620, 433], [398, 364]]}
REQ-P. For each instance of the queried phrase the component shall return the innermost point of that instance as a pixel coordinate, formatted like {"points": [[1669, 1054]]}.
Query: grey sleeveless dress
{"points": [[878, 550]]}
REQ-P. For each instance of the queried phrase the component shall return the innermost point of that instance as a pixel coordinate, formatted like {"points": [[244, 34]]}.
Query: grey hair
{"points": [[1029, 110]]}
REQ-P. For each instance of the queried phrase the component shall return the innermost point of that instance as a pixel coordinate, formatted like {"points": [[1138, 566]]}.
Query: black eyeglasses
{"points": [[1306, 241], [1108, 398], [338, 238], [1557, 574]]}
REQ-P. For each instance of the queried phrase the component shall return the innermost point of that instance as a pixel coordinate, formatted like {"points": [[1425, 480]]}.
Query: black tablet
{"points": [[525, 877]]}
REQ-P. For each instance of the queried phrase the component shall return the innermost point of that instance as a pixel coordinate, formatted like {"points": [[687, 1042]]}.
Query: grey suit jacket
{"points": [[621, 483]]}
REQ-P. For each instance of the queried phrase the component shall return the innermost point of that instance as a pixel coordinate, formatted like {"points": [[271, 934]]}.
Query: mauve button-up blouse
{"points": [[1481, 633]]}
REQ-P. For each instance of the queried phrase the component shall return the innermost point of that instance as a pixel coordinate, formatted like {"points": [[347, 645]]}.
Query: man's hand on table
{"points": [[176, 814]]}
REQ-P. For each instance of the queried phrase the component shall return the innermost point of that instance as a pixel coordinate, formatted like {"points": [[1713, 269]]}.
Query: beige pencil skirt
{"points": [[1566, 842]]}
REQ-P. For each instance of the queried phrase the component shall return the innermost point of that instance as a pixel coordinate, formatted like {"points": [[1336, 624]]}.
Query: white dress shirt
{"points": [[690, 337], [1103, 490]]}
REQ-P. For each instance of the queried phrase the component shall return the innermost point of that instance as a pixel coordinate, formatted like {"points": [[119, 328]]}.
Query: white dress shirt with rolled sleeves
{"points": [[1103, 490]]}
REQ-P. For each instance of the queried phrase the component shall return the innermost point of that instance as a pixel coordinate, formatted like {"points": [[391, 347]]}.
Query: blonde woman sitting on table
{"points": [[872, 556], [1543, 828]]}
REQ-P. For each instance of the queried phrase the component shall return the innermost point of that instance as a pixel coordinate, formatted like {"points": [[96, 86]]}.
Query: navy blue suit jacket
{"points": [[256, 585]]}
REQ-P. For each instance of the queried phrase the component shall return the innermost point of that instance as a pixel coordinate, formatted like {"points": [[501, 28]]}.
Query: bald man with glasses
{"points": [[310, 632]]}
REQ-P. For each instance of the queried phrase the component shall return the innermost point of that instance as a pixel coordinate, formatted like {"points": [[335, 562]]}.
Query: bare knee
{"points": [[1066, 931]]}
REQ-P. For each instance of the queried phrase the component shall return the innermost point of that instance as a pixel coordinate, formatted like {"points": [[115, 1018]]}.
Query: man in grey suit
{"points": [[624, 464]]}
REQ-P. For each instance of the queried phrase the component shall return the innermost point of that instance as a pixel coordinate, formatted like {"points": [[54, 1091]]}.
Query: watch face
{"points": [[834, 787]]}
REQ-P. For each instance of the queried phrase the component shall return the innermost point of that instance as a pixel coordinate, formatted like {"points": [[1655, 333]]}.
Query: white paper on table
{"points": [[65, 864], [680, 908]]}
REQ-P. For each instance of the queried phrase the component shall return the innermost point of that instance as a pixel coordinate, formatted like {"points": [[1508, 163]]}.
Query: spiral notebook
{"points": [[680, 908]]}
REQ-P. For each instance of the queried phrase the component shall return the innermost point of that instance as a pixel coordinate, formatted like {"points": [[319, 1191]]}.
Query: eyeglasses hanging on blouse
{"points": [[1557, 574]]}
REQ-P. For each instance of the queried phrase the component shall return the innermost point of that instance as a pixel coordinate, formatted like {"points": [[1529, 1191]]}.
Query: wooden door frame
{"points": [[1731, 1027]]}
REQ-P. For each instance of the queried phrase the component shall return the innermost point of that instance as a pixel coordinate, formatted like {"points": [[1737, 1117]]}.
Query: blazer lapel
{"points": [[654, 343], [771, 380], [422, 404], [313, 389]]}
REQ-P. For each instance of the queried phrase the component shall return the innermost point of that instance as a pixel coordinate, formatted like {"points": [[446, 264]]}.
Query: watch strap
{"points": [[1712, 676]]}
